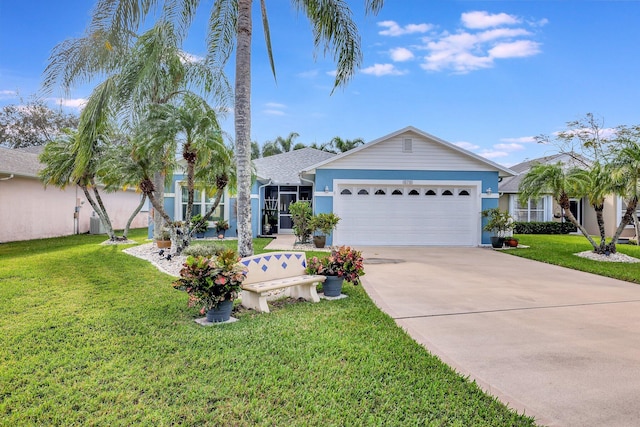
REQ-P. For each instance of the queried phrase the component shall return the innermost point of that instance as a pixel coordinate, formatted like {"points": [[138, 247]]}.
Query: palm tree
{"points": [[281, 145], [60, 160], [191, 127], [342, 145], [150, 69], [114, 23], [562, 183]]}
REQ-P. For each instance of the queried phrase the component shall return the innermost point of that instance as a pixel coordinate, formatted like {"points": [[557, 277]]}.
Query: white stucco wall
{"points": [[29, 211]]}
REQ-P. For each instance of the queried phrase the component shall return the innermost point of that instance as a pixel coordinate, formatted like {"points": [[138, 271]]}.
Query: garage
{"points": [[434, 214], [408, 188]]}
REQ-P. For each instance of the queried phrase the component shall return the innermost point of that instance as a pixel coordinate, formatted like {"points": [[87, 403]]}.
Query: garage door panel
{"points": [[408, 219]]}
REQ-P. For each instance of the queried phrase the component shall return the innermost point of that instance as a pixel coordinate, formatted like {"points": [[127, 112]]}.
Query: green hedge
{"points": [[544, 228]]}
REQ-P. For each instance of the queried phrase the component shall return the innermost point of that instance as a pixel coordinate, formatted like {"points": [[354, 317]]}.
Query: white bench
{"points": [[273, 271]]}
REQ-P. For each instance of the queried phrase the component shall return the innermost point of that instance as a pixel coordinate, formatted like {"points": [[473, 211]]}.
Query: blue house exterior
{"points": [[406, 188]]}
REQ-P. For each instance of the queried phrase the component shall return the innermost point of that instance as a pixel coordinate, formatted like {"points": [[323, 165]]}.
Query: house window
{"points": [[380, 192], [463, 193], [414, 192], [407, 145], [346, 192], [447, 193], [201, 204], [430, 193], [397, 192], [531, 210], [363, 192]]}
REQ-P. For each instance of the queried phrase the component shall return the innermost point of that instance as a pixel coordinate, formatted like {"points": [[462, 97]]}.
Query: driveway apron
{"points": [[557, 344]]}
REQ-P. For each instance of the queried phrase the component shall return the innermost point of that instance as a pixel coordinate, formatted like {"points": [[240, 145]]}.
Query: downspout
{"points": [[259, 206], [7, 178]]}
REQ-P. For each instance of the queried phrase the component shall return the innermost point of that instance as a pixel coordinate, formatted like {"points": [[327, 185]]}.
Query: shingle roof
{"points": [[19, 162], [512, 183], [284, 168]]}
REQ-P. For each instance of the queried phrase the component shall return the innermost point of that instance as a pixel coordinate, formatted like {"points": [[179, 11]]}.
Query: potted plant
{"points": [[301, 215], [342, 264], [221, 227], [323, 224], [511, 241], [163, 240], [499, 223], [198, 225], [213, 283]]}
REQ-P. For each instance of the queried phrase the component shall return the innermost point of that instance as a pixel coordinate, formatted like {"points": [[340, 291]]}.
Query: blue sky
{"points": [[487, 75]]}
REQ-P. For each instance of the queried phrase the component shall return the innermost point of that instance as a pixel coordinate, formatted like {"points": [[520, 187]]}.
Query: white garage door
{"points": [[445, 215]]}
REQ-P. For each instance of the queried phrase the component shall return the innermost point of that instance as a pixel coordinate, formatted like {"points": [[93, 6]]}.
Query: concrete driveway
{"points": [[560, 345]]}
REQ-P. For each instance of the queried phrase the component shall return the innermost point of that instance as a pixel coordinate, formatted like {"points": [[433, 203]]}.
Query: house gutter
{"points": [[260, 224], [313, 187]]}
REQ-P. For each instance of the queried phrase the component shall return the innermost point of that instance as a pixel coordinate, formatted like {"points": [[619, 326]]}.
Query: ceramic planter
{"points": [[332, 287], [221, 312]]}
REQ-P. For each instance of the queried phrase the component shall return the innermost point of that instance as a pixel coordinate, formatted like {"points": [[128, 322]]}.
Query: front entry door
{"points": [[575, 207], [285, 225]]}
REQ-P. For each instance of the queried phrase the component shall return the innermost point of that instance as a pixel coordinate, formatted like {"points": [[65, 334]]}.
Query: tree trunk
{"points": [[600, 218], [133, 215], [564, 203], [98, 210], [628, 216], [243, 126], [105, 216], [158, 219]]}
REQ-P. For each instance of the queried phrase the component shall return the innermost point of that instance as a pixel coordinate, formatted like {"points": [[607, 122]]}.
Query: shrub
{"points": [[301, 217], [544, 228], [204, 250]]}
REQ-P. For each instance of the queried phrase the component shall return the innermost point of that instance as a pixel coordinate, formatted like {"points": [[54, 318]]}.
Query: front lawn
{"points": [[560, 250], [92, 336]]}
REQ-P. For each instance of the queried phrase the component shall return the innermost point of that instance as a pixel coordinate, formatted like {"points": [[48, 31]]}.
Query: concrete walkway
{"points": [[558, 344]]}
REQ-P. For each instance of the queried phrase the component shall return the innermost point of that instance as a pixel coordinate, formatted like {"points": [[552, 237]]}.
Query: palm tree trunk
{"points": [[629, 213], [158, 219], [243, 126], [98, 210], [566, 206], [133, 215], [600, 218], [106, 221]]}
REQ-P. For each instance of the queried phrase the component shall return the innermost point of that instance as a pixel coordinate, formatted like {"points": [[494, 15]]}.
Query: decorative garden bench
{"points": [[273, 271]]}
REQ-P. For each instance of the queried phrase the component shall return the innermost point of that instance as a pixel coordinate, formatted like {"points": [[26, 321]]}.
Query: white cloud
{"points": [[494, 154], [7, 94], [401, 54], [467, 50], [394, 30], [308, 74], [383, 70], [520, 140], [186, 57], [274, 109], [77, 103], [467, 145], [482, 19], [517, 49], [509, 147]]}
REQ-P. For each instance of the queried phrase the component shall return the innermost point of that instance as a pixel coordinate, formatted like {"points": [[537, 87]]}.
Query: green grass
{"points": [[560, 250], [92, 336]]}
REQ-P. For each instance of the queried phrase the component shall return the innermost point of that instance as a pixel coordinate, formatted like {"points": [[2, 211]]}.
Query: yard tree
{"points": [[32, 124], [60, 160], [281, 145], [190, 127], [562, 182], [230, 30], [342, 145], [139, 71]]}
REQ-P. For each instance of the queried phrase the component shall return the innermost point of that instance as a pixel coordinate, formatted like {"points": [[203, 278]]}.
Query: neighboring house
{"points": [[406, 188], [28, 210], [546, 209]]}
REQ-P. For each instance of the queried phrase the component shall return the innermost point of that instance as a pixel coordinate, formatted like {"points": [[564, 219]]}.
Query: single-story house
{"points": [[405, 188], [28, 210], [546, 209]]}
